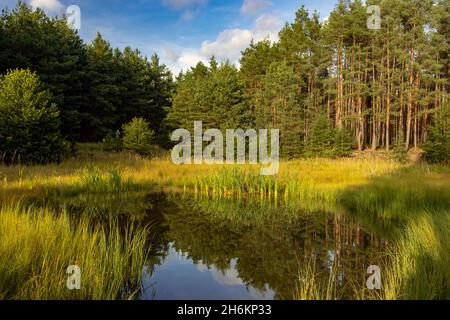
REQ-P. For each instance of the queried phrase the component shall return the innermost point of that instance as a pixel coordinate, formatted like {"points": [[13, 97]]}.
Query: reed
{"points": [[37, 246], [414, 199], [420, 268]]}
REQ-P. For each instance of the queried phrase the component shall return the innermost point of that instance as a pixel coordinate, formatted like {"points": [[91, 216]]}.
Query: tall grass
{"points": [[313, 286], [37, 246], [94, 181], [399, 196], [313, 179], [417, 268], [414, 198], [420, 268]]}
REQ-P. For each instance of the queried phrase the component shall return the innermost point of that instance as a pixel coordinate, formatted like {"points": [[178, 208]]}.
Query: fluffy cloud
{"points": [[178, 58], [267, 26], [47, 5], [251, 7], [228, 44]]}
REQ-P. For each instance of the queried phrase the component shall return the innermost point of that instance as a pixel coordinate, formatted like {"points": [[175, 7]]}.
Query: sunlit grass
{"points": [[309, 179], [420, 267], [37, 246]]}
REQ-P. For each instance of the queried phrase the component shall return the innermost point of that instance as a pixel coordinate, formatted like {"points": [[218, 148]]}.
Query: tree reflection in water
{"points": [[264, 245]]}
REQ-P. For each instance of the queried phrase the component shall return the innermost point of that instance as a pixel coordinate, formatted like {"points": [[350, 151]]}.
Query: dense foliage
{"points": [[138, 136], [330, 86], [29, 123], [375, 88], [96, 88], [437, 148]]}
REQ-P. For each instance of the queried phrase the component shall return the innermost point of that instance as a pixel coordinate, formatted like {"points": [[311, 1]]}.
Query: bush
{"points": [[326, 141], [342, 144], [437, 147], [113, 142], [137, 136], [29, 124], [399, 152]]}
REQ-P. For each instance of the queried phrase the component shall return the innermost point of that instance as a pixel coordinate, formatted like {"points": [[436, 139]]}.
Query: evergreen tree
{"points": [[138, 136], [53, 50], [278, 107], [102, 114], [213, 95], [321, 139], [437, 148], [160, 86], [29, 123]]}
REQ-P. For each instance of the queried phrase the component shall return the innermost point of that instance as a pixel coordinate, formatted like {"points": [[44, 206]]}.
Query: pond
{"points": [[208, 248]]}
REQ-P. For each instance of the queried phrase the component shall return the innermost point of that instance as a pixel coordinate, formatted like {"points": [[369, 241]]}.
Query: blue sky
{"points": [[182, 32]]}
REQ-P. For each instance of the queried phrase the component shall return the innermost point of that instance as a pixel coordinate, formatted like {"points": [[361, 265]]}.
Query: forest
{"points": [[330, 87], [363, 114]]}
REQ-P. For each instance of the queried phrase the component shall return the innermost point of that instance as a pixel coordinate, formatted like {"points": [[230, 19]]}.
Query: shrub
{"points": [[326, 141], [29, 123], [399, 152], [343, 143], [113, 142], [437, 147], [137, 136]]}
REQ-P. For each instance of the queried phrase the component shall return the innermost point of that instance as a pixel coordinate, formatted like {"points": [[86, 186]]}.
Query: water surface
{"points": [[226, 249]]}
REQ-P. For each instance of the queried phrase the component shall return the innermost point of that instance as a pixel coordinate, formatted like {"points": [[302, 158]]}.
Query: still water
{"points": [[203, 248], [228, 249]]}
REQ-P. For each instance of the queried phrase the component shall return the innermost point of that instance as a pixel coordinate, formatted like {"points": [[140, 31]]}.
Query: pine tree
{"points": [[29, 122], [437, 148], [102, 114], [277, 107], [55, 52]]}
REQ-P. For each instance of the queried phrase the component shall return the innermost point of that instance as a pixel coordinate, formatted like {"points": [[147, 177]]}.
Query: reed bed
{"points": [[37, 246], [420, 268]]}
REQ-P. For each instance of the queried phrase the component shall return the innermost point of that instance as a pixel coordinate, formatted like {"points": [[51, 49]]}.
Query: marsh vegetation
{"points": [[309, 233], [85, 178]]}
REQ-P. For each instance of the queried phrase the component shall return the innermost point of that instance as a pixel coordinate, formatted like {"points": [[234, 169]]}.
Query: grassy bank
{"points": [[37, 246], [412, 199], [374, 186], [315, 179], [417, 268]]}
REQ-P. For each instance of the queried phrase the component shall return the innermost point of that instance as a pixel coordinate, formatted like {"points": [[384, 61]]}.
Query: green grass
{"points": [[411, 200], [37, 246], [420, 268], [312, 285], [417, 268]]}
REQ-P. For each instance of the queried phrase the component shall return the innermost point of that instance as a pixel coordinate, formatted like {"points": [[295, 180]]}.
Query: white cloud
{"points": [[228, 44], [47, 5], [251, 7], [267, 26], [178, 58], [190, 59], [231, 42]]}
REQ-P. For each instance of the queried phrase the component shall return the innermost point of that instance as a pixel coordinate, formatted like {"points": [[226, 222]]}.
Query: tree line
{"points": [[328, 85], [331, 86], [95, 87]]}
